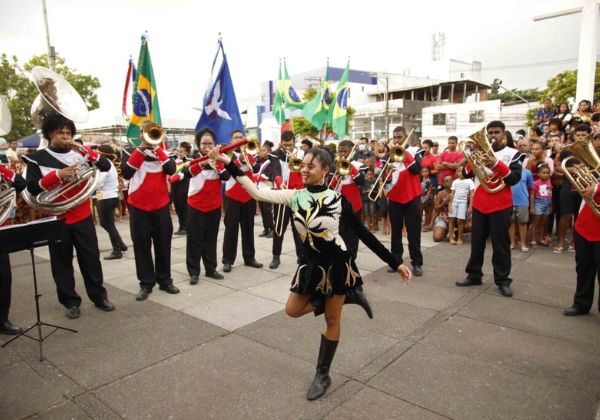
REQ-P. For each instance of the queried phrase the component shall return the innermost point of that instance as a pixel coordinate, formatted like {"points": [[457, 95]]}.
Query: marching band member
{"points": [[327, 272], [179, 190], [266, 180], [288, 179], [239, 212], [405, 204], [492, 213], [350, 188], [7, 327], [46, 169], [204, 209], [586, 235], [107, 197], [150, 223]]}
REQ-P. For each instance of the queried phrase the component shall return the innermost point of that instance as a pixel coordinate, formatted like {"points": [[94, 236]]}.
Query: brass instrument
{"points": [[588, 173], [58, 96], [343, 167], [8, 195], [252, 147], [396, 154], [294, 165], [153, 134], [476, 150]]}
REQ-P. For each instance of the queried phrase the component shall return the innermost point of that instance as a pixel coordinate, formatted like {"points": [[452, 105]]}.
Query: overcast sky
{"points": [[97, 37]]}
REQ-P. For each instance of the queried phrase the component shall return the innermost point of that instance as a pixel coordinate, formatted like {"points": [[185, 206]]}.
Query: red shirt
{"points": [[429, 160], [450, 157], [588, 224]]}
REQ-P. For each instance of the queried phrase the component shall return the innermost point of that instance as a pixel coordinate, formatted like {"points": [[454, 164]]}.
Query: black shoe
{"points": [[193, 279], [468, 282], [105, 305], [269, 234], [319, 305], [358, 297], [275, 263], [263, 233], [122, 247], [215, 275], [253, 263], [143, 293], [505, 290], [180, 232], [322, 379], [226, 267], [169, 288], [391, 270], [574, 311], [8, 328], [417, 270], [73, 312], [116, 254]]}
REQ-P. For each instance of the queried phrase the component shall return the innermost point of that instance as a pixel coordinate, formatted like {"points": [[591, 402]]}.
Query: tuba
{"points": [[475, 150], [58, 96], [588, 173], [8, 196]]}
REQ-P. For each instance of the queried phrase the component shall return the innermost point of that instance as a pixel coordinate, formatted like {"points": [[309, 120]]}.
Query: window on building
{"points": [[439, 119], [477, 116], [451, 122]]}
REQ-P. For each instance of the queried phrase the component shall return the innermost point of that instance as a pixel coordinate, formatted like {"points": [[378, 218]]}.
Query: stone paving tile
{"points": [[369, 403], [233, 310], [277, 289], [526, 353], [231, 377], [458, 386], [66, 410], [541, 319], [190, 295], [243, 277]]}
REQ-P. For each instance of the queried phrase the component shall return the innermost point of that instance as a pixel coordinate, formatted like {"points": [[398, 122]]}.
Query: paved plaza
{"points": [[226, 349]]}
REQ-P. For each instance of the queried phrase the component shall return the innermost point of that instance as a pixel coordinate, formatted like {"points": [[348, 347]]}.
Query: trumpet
{"points": [[343, 167], [153, 134], [588, 174], [396, 154], [251, 148], [294, 165], [476, 150]]}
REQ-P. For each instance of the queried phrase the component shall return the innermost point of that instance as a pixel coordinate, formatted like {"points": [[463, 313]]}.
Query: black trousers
{"points": [[152, 228], [81, 236], [351, 240], [266, 212], [587, 259], [201, 242], [179, 197], [408, 214], [239, 215], [278, 240], [106, 214], [496, 225], [5, 286]]}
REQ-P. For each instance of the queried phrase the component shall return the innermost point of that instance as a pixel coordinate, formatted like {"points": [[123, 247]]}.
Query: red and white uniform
{"points": [[234, 190], [204, 191], [350, 186], [406, 180], [507, 164], [148, 189], [588, 224]]}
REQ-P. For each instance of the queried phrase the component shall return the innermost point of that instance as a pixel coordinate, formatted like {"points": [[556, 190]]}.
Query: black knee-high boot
{"points": [[322, 379], [355, 295]]}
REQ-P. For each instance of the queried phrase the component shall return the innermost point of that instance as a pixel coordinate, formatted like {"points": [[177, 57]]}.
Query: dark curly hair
{"points": [[56, 122]]}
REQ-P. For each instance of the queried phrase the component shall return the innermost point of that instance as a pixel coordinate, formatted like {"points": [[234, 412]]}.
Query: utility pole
{"points": [[387, 107], [51, 54]]}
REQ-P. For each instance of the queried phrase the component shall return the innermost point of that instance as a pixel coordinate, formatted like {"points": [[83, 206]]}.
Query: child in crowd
{"points": [[520, 214], [441, 201], [540, 205], [427, 194], [369, 206], [460, 207]]}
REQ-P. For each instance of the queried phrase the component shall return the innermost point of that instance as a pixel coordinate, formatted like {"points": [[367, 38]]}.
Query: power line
{"points": [[535, 64]]}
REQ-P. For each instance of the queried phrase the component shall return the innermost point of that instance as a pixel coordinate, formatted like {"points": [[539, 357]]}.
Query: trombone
{"points": [[396, 154], [252, 147], [294, 165], [343, 167]]}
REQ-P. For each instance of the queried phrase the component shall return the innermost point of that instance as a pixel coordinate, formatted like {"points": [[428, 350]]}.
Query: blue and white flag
{"points": [[220, 111]]}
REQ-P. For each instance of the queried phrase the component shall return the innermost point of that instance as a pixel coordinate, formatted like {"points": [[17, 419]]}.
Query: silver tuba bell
{"points": [[8, 196], [58, 96]]}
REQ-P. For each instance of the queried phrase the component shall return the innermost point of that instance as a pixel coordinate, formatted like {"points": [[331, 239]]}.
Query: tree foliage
{"points": [[509, 95], [20, 92]]}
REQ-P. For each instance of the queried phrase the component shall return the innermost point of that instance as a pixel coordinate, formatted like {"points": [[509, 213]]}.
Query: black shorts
{"points": [[570, 200]]}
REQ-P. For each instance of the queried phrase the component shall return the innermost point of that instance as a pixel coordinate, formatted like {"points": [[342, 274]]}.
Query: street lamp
{"points": [[496, 85]]}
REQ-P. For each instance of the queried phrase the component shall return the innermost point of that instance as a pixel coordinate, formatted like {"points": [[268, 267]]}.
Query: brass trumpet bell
{"points": [[153, 134], [295, 164]]}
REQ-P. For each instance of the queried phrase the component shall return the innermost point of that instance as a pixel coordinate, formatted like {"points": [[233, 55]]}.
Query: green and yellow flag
{"points": [[337, 111], [292, 100], [145, 97], [316, 111], [278, 110]]}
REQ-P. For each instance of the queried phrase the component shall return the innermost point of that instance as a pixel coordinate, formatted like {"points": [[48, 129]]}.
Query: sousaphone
{"points": [[8, 196], [57, 96]]}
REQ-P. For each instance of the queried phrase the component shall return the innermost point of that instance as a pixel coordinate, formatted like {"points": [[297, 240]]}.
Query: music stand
{"points": [[28, 237]]}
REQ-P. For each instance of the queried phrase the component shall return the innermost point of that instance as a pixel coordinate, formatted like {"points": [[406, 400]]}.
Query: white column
{"points": [[588, 47], [372, 127]]}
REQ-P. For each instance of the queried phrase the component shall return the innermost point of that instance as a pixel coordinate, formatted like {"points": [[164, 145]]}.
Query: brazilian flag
{"points": [[337, 111], [317, 109], [144, 98], [278, 110], [292, 100]]}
